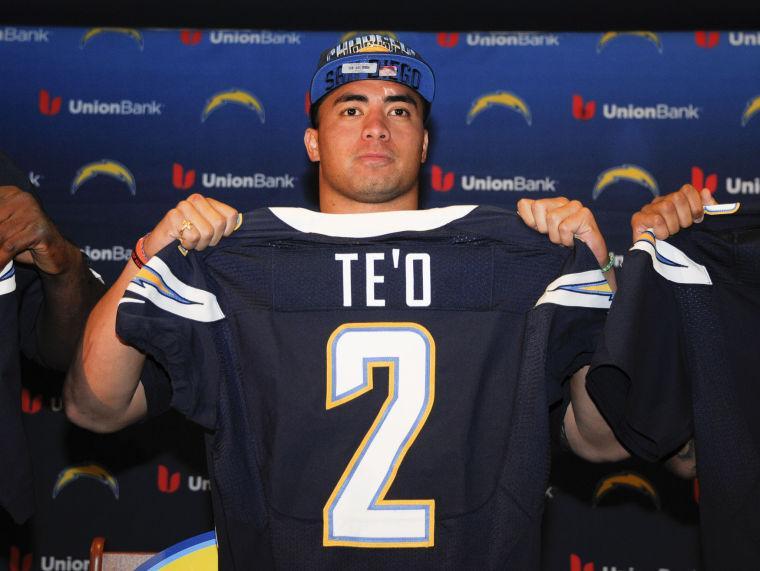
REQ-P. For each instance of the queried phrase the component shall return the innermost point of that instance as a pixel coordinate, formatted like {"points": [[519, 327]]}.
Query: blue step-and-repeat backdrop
{"points": [[116, 125]]}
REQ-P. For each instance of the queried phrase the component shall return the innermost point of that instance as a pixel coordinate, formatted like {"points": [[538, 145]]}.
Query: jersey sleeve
{"points": [[169, 313], [577, 301], [638, 378]]}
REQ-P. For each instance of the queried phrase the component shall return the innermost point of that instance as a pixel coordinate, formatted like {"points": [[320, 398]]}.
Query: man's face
{"points": [[370, 144]]}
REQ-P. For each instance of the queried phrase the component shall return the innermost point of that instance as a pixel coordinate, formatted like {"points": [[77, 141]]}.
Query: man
{"points": [[677, 364], [46, 291], [438, 302]]}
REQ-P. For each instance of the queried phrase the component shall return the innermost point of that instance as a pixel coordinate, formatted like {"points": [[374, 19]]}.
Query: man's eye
{"points": [[351, 111], [400, 112]]}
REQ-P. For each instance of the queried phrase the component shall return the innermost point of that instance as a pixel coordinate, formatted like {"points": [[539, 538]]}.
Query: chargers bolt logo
{"points": [[88, 471], [751, 109], [608, 37], [583, 110], [629, 480], [631, 173], [233, 96], [106, 167], [440, 181], [499, 99], [49, 105], [129, 32]]}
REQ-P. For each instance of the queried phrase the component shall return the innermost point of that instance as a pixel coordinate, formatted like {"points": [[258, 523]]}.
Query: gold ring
{"points": [[186, 225]]}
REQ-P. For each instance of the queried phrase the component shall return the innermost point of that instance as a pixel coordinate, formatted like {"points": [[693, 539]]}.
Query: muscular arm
{"points": [[102, 391], [585, 429]]}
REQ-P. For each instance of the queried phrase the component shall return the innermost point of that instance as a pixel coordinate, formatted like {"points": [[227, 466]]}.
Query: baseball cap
{"points": [[371, 56]]}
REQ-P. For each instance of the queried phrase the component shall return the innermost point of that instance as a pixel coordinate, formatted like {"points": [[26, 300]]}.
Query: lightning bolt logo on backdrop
{"points": [[631, 173], [750, 110], [107, 167], [236, 97], [608, 37], [628, 480], [499, 99], [89, 471], [129, 32]]}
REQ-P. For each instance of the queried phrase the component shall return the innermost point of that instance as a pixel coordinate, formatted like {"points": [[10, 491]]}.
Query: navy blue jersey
{"points": [[20, 299], [679, 358], [375, 385]]}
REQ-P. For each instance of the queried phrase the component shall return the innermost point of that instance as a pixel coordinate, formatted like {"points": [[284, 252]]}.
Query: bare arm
{"points": [[69, 289], [102, 391], [684, 462], [587, 433]]}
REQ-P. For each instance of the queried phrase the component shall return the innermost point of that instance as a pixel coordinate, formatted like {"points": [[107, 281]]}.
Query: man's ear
{"points": [[311, 142], [424, 147]]}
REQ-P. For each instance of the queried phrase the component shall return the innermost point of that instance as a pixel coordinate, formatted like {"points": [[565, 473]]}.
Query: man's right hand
{"points": [[667, 214]]}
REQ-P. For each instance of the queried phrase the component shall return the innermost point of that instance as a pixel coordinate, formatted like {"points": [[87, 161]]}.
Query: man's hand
{"points": [[667, 214], [205, 221], [29, 236]]}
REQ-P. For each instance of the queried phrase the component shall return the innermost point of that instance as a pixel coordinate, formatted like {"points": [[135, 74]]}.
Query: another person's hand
{"points": [[197, 222], [563, 220], [667, 214], [29, 236]]}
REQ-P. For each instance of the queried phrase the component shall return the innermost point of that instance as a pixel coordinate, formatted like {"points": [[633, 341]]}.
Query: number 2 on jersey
{"points": [[357, 513]]}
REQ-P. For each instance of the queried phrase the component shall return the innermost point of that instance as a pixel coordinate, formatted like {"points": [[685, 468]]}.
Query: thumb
{"points": [[707, 197]]}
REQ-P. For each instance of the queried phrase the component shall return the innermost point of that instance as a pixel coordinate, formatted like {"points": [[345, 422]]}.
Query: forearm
{"points": [[68, 298], [587, 433], [102, 391], [684, 463]]}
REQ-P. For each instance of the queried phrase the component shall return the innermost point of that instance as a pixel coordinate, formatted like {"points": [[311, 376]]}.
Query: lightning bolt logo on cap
{"points": [[610, 36], [107, 167], [500, 99], [89, 471], [234, 96], [630, 173], [129, 32], [750, 110]]}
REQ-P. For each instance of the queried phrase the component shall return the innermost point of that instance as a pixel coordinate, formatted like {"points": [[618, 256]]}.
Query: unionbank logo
{"points": [[443, 181], [238, 97], [447, 40], [583, 110], [18, 561], [10, 34], [48, 104], [699, 181], [504, 99], [51, 563], [112, 254], [185, 179], [51, 105], [94, 472], [167, 482], [626, 481], [246, 38], [705, 39], [130, 33], [609, 37], [624, 173], [30, 404], [577, 564], [190, 37], [744, 39], [750, 110], [107, 167], [182, 179], [511, 40]]}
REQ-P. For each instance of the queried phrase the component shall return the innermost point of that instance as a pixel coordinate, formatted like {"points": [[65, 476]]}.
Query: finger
{"points": [[199, 235], [668, 212], [642, 221], [207, 211], [695, 201], [683, 209], [231, 215], [558, 216], [707, 197], [541, 208], [581, 224], [525, 211]]}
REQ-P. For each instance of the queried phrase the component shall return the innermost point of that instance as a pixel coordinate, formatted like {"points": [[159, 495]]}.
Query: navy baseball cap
{"points": [[372, 56]]}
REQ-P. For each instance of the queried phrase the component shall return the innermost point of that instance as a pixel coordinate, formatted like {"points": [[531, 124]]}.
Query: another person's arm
{"points": [[562, 220], [103, 391]]}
